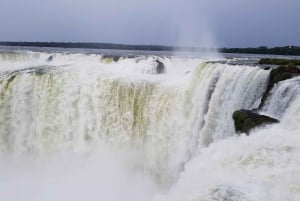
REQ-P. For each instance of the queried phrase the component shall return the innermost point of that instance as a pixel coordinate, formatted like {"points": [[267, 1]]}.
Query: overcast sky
{"points": [[230, 23]]}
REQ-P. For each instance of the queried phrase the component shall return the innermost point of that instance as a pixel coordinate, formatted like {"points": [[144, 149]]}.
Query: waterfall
{"points": [[167, 117], [177, 123], [262, 166], [281, 96]]}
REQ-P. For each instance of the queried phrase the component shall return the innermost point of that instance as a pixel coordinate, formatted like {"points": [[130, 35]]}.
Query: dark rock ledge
{"points": [[245, 120], [279, 74]]}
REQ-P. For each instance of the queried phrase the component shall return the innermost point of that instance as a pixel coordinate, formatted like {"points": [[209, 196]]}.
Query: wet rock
{"points": [[116, 58], [110, 58], [245, 120], [131, 56], [160, 68], [50, 58]]}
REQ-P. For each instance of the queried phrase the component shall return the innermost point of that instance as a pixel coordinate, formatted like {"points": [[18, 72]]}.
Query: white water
{"points": [[263, 166], [282, 95], [165, 125]]}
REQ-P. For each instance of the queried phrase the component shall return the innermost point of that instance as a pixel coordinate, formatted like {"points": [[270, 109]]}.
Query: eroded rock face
{"points": [[245, 120], [279, 74], [283, 73]]}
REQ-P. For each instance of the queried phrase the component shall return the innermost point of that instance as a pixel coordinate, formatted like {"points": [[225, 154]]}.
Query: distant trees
{"points": [[89, 45], [275, 61], [286, 50]]}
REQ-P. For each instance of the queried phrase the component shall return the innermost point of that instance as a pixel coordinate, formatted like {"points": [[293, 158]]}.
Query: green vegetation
{"points": [[90, 45], [275, 61], [286, 50]]}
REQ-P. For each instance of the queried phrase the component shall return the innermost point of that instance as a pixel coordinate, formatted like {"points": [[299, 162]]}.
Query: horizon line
{"points": [[11, 43]]}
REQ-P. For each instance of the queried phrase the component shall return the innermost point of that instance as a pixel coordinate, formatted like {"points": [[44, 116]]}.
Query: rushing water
{"points": [[77, 126]]}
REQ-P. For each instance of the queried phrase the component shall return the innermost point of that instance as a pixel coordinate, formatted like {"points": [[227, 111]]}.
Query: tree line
{"points": [[285, 50]]}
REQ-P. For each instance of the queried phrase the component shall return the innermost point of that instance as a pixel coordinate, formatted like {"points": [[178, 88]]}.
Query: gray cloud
{"points": [[231, 23]]}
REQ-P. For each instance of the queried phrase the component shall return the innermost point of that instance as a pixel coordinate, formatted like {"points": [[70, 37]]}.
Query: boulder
{"points": [[245, 120]]}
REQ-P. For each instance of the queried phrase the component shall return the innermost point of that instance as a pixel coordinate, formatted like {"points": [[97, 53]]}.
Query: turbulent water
{"points": [[90, 127]]}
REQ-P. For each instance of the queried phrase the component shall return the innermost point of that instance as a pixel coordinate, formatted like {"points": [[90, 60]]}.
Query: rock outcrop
{"points": [[245, 120], [50, 58], [160, 68], [279, 74]]}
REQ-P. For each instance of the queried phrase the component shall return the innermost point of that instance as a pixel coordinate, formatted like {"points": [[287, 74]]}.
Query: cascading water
{"points": [[176, 123], [263, 166], [282, 95]]}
